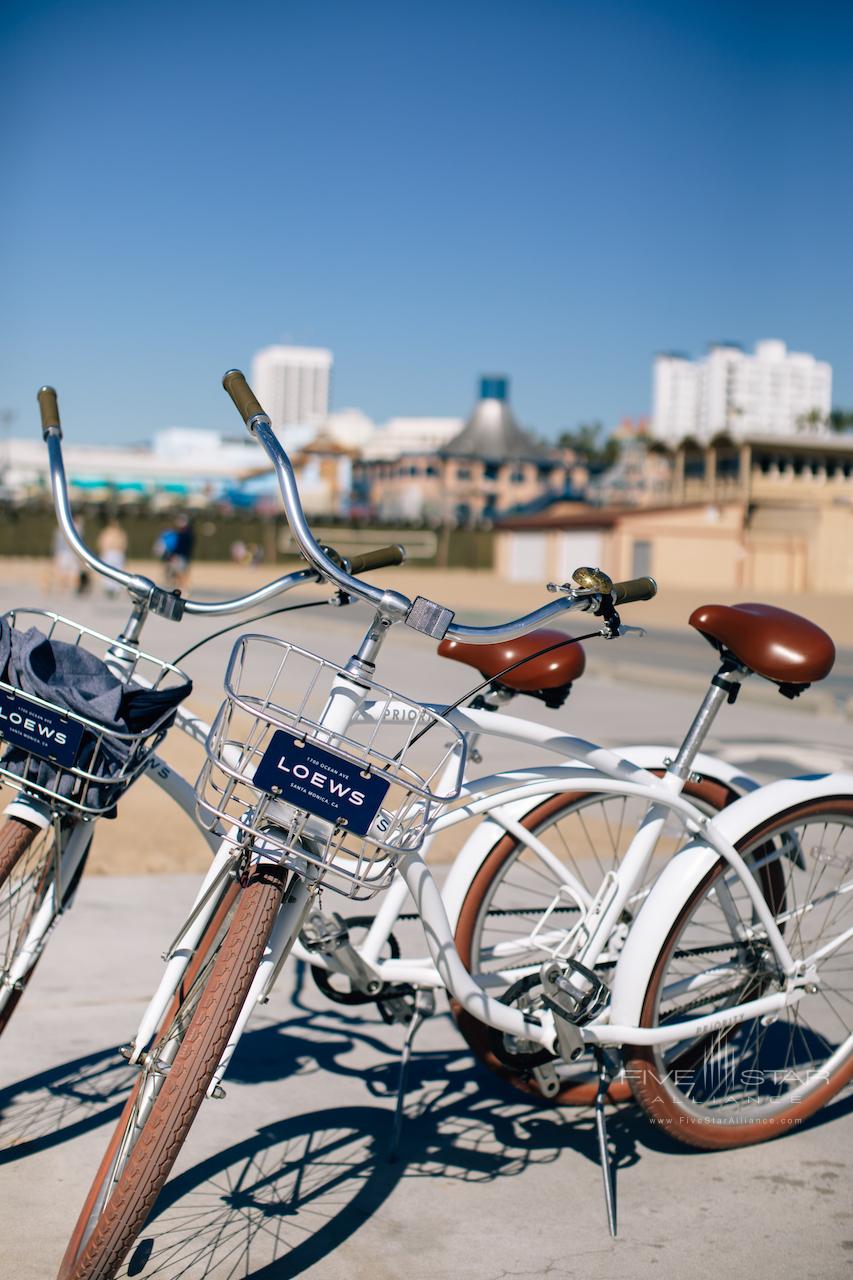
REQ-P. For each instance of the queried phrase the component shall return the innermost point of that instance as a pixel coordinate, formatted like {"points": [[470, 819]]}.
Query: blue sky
{"points": [[434, 190]]}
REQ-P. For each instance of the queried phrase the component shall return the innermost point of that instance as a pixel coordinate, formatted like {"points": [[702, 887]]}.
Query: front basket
{"points": [[340, 805], [68, 758]]}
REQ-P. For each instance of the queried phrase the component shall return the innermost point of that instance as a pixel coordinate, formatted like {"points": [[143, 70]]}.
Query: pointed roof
{"points": [[493, 433]]}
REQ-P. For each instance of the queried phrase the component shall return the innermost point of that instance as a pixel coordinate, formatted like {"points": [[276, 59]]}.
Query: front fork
{"points": [[295, 905], [298, 896], [184, 946]]}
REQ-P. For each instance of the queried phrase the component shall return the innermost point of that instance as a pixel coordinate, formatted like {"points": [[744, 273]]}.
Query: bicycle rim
{"points": [[760, 1078], [27, 866]]}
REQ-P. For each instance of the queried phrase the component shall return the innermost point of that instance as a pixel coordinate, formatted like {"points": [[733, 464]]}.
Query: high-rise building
{"points": [[773, 392], [292, 383]]}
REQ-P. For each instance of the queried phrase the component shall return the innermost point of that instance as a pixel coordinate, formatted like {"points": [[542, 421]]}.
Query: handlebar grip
{"points": [[242, 394], [49, 412], [634, 589], [381, 558]]}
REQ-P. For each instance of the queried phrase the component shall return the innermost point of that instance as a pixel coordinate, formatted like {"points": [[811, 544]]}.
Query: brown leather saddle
{"points": [[775, 644], [548, 675]]}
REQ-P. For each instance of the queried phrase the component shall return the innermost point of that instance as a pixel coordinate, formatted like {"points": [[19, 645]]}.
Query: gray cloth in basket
{"points": [[77, 680]]}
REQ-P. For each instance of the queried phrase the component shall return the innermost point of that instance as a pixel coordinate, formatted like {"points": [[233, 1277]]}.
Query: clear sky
{"points": [[554, 190]]}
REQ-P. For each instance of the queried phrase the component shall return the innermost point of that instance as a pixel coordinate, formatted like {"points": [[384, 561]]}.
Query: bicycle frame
{"points": [[504, 797], [605, 773], [662, 800], [503, 809], [593, 770], [503, 814]]}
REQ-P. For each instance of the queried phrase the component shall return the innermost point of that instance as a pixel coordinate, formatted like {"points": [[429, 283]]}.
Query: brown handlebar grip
{"points": [[49, 411], [242, 394], [381, 558], [634, 589]]}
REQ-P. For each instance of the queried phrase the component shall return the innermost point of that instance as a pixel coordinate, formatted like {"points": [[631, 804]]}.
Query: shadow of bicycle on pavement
{"points": [[286, 1197], [281, 1199], [55, 1106]]}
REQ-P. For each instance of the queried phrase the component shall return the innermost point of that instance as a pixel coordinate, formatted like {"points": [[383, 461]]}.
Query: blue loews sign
{"points": [[39, 730], [307, 776]]}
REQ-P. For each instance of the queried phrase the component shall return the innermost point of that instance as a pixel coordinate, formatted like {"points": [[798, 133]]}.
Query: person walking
{"points": [[112, 548], [175, 548], [64, 564]]}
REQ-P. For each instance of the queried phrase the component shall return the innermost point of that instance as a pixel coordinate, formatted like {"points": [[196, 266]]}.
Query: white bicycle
{"points": [[69, 770], [726, 995], [547, 838]]}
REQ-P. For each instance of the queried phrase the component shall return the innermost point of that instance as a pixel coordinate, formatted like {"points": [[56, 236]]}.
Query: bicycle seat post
{"points": [[724, 687]]}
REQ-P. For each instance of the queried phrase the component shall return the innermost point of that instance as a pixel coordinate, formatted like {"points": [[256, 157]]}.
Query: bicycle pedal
{"points": [[396, 1008], [330, 936], [324, 933], [573, 992]]}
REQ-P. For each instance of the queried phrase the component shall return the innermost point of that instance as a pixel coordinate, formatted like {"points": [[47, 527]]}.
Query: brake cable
{"points": [[453, 706], [245, 622]]}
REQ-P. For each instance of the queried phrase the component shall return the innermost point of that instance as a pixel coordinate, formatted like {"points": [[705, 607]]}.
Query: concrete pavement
{"points": [[288, 1175]]}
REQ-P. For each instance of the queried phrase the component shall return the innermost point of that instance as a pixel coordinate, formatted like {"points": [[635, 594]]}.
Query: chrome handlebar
{"points": [[135, 583], [391, 603], [145, 592], [421, 614]]}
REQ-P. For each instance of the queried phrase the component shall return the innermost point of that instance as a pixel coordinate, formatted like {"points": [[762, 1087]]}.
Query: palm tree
{"points": [[841, 419], [811, 421]]}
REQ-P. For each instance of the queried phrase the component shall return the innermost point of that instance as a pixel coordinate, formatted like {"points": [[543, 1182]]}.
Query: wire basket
{"points": [[70, 759], [343, 804]]}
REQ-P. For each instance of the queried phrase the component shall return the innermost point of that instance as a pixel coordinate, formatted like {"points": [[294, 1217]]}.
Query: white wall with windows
{"points": [[292, 383], [576, 548], [771, 392], [527, 557]]}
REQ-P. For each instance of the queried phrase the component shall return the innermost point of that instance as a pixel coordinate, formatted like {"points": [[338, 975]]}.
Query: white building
{"points": [[676, 397], [292, 383], [773, 392], [349, 427], [401, 436]]}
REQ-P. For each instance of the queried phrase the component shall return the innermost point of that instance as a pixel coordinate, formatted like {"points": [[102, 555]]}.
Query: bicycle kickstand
{"points": [[424, 1008], [607, 1171]]}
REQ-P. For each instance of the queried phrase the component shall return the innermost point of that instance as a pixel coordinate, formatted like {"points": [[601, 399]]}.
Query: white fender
{"points": [[487, 832], [682, 875], [28, 809]]}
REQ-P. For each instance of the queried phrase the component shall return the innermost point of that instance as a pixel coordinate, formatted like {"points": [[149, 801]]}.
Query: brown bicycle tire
{"points": [[654, 1096], [16, 837], [99, 1256], [476, 1034]]}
